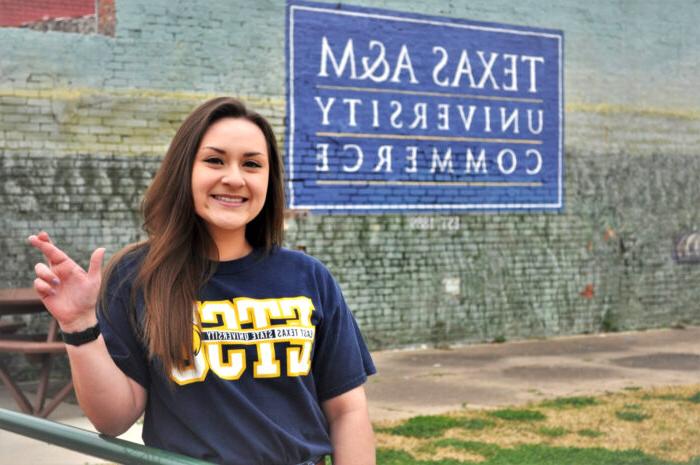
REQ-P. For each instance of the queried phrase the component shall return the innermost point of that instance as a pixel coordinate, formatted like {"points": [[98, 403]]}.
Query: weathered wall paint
{"points": [[84, 120]]}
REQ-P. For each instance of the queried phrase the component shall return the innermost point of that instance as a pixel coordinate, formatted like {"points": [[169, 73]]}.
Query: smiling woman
{"points": [[237, 350]]}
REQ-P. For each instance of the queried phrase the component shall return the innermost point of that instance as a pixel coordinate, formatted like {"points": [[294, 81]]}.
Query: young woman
{"points": [[238, 351]]}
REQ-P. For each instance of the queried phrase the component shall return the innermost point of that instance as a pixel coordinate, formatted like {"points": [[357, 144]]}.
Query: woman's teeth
{"points": [[227, 199]]}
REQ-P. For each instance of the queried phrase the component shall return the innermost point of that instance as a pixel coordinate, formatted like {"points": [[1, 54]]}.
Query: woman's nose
{"points": [[233, 177]]}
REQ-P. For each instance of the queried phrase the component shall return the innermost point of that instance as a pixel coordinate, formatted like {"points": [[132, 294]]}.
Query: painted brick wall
{"points": [[18, 12], [84, 120]]}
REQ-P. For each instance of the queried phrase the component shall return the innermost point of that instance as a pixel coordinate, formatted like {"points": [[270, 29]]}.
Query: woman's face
{"points": [[230, 176]]}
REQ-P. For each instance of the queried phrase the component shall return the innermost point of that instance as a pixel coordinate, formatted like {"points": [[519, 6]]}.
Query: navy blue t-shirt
{"points": [[274, 339]]}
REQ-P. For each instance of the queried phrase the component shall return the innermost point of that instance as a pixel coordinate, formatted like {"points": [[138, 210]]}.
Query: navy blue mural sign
{"points": [[393, 112]]}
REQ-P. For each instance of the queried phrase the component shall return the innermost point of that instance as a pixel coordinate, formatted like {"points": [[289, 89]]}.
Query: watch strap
{"points": [[82, 337]]}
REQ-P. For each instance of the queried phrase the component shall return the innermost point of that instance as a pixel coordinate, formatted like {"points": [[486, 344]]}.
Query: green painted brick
{"points": [[110, 105]]}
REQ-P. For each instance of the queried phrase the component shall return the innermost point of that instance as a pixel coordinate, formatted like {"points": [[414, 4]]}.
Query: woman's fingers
{"points": [[53, 254], [43, 288], [44, 272], [44, 236]]}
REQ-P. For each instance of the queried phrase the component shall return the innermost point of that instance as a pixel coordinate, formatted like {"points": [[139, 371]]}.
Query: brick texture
{"points": [[84, 121]]}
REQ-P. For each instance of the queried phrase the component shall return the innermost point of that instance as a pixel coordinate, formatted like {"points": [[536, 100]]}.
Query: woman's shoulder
{"points": [[124, 265], [300, 262], [297, 258], [132, 255]]}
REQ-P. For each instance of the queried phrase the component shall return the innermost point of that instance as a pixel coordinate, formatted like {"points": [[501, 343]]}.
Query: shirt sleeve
{"points": [[117, 329], [341, 358]]}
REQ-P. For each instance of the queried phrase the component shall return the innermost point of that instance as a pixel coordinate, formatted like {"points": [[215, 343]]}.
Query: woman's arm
{"points": [[110, 399], [351, 431]]}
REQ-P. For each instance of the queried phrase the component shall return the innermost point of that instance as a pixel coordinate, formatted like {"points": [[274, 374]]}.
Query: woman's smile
{"points": [[230, 200]]}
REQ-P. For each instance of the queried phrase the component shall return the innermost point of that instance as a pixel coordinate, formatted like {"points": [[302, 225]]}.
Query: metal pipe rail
{"points": [[87, 442]]}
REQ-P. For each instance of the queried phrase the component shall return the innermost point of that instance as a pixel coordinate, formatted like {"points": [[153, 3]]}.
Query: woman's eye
{"points": [[214, 160], [252, 164]]}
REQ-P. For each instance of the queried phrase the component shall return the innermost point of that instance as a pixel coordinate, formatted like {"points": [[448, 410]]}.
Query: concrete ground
{"points": [[431, 381]]}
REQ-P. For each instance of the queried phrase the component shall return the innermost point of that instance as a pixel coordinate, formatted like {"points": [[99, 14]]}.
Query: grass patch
{"points": [[555, 432], [431, 426], [510, 414], [570, 402], [482, 448], [673, 397], [590, 433], [530, 455], [695, 398], [654, 426], [399, 457], [476, 424], [425, 426], [631, 415]]}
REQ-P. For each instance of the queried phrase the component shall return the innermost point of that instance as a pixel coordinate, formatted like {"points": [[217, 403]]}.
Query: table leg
{"points": [[43, 383], [57, 399], [17, 394]]}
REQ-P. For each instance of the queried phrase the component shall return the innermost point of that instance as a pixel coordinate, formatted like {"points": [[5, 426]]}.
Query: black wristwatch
{"points": [[82, 337]]}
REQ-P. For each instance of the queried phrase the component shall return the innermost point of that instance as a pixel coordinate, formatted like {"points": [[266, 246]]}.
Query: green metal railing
{"points": [[87, 442]]}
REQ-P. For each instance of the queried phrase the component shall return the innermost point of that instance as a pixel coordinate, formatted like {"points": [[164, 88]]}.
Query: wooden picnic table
{"points": [[39, 347]]}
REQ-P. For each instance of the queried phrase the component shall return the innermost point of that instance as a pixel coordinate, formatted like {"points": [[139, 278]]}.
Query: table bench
{"points": [[38, 348]]}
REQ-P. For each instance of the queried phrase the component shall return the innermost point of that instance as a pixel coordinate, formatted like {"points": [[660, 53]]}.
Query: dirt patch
{"points": [[575, 346], [557, 373], [436, 392], [661, 361], [446, 358]]}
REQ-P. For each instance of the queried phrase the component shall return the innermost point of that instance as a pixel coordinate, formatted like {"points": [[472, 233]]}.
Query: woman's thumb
{"points": [[95, 268]]}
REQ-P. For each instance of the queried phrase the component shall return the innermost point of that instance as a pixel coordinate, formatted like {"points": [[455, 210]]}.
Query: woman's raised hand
{"points": [[67, 291]]}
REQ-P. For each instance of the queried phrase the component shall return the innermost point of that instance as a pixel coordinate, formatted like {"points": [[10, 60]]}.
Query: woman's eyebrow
{"points": [[223, 152], [216, 149]]}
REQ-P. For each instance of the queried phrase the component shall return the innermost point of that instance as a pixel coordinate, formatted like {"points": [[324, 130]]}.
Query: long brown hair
{"points": [[176, 263]]}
